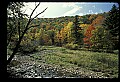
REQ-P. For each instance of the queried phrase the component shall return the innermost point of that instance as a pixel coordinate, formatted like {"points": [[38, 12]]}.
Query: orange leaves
{"points": [[98, 20], [88, 34], [89, 31]]}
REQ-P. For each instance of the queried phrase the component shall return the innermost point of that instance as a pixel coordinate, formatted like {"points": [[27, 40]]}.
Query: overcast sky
{"points": [[58, 9]]}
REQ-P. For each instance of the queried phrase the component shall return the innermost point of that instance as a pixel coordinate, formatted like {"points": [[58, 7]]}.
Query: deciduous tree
{"points": [[101, 39]]}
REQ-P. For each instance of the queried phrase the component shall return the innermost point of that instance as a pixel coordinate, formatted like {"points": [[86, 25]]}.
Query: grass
{"points": [[95, 61]]}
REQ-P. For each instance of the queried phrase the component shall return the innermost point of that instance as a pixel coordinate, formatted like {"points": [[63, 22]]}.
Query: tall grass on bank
{"points": [[95, 61]]}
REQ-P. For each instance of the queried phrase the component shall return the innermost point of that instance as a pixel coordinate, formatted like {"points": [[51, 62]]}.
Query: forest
{"points": [[71, 46]]}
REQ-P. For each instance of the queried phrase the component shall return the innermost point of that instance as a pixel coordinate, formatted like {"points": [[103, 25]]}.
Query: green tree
{"points": [[51, 34], [112, 21], [77, 32], [42, 32], [14, 19], [101, 39], [111, 24]]}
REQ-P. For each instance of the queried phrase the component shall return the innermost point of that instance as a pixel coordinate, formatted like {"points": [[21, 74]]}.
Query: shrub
{"points": [[71, 46], [15, 63], [28, 47]]}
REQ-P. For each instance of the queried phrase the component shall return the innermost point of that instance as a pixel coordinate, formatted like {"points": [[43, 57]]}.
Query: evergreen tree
{"points": [[51, 34], [112, 21], [77, 32], [112, 24]]}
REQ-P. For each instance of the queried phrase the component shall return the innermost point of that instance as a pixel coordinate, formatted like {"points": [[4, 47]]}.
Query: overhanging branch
{"points": [[25, 30], [34, 9], [31, 16], [38, 14]]}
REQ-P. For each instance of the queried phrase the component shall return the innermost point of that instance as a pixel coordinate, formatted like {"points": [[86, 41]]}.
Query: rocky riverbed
{"points": [[24, 67]]}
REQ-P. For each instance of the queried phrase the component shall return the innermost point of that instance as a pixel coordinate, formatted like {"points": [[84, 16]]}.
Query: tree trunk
{"points": [[52, 41], [16, 48]]}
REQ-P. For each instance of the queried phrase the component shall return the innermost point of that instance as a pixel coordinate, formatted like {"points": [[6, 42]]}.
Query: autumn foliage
{"points": [[70, 31], [88, 35]]}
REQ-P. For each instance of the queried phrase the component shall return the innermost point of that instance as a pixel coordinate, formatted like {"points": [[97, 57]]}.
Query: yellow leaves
{"points": [[64, 33], [47, 26], [25, 35], [37, 35], [69, 24], [84, 25]]}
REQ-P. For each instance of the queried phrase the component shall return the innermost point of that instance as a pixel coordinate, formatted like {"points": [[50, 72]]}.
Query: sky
{"points": [[60, 9]]}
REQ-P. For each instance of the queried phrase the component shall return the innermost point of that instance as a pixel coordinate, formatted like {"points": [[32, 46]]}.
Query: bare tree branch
{"points": [[25, 30], [31, 16], [38, 14], [34, 10]]}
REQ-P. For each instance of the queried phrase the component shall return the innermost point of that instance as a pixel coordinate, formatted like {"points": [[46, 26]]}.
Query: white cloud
{"points": [[90, 12], [54, 8], [71, 11], [57, 9], [72, 5]]}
